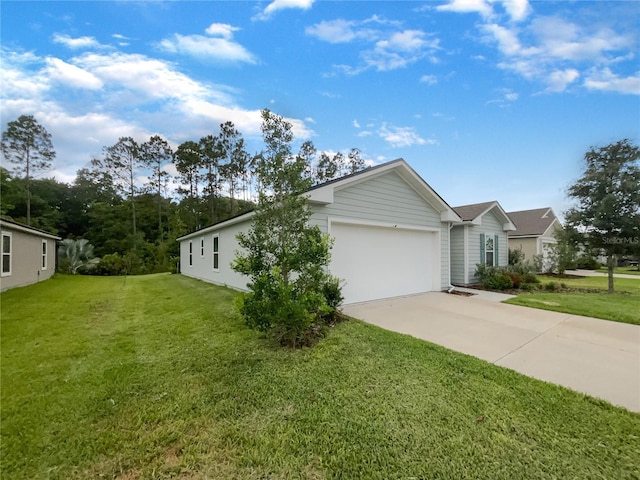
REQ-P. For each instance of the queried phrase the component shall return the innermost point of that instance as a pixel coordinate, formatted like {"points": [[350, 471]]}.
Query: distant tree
{"points": [[187, 161], [156, 154], [356, 162], [76, 256], [608, 200], [210, 157], [123, 161], [284, 257], [235, 158], [329, 167], [27, 144]]}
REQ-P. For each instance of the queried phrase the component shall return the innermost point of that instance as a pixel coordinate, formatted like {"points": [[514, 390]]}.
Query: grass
{"points": [[157, 377], [624, 270], [622, 306]]}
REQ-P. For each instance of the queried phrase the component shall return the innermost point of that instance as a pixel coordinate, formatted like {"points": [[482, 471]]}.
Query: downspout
{"points": [[451, 287]]}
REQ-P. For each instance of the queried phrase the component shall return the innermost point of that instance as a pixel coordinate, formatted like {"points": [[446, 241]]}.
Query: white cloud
{"points": [[467, 6], [429, 79], [356, 124], [221, 29], [559, 80], [333, 31], [401, 136], [71, 75], [278, 5], [76, 43], [218, 46], [518, 10], [607, 81]]}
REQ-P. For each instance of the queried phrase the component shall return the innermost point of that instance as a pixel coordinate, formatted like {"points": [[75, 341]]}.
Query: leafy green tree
{"points": [[27, 144], [76, 256], [156, 154], [608, 200], [235, 158], [187, 162], [210, 156], [284, 257], [122, 161]]}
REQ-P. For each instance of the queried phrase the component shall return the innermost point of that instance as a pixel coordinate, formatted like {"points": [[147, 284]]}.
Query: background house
{"points": [[534, 232], [28, 255], [481, 238], [390, 230]]}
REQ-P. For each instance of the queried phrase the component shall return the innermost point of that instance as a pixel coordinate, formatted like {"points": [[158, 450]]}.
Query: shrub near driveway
{"points": [[157, 377]]}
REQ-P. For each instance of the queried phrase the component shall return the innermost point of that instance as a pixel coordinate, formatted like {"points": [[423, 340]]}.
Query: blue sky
{"points": [[486, 99]]}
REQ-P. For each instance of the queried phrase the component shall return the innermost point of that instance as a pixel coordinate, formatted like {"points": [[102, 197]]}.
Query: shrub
{"points": [[551, 286], [499, 281], [587, 263], [530, 278], [332, 291], [111, 264], [516, 279], [516, 256], [529, 287]]}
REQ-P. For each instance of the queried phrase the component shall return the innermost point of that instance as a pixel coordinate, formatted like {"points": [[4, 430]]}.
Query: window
{"points": [[202, 247], [216, 252], [6, 254], [191, 254], [44, 254], [488, 251]]}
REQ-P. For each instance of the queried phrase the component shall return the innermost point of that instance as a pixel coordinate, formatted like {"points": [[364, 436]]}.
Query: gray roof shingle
{"points": [[531, 222]]}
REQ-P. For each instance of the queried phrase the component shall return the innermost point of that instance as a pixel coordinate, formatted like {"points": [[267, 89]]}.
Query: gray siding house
{"points": [[28, 255], [481, 238], [535, 233], [390, 230]]}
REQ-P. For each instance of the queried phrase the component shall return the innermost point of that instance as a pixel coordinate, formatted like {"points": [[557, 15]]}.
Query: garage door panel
{"points": [[381, 262]]}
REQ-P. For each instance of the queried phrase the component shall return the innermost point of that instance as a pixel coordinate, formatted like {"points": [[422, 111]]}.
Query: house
{"points": [[481, 238], [28, 255], [390, 230], [534, 233]]}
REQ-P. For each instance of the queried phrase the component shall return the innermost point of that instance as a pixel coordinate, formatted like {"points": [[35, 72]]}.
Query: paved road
{"points": [[593, 273], [597, 357]]}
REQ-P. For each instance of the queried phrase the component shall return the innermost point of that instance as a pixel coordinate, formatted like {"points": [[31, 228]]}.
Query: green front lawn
{"points": [[624, 270], [157, 377], [623, 306]]}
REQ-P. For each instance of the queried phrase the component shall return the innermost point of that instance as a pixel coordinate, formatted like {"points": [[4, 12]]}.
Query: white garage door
{"points": [[379, 262]]}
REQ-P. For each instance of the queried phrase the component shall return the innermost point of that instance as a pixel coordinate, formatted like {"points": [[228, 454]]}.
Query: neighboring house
{"points": [[534, 233], [480, 239], [390, 230], [28, 255]]}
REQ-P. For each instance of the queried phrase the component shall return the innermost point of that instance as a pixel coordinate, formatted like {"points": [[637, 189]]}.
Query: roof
{"points": [[10, 224], [532, 222], [473, 214], [323, 194]]}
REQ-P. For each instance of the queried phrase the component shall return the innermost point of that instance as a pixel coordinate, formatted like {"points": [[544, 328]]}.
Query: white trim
{"points": [[466, 254], [217, 226], [202, 247], [31, 231], [215, 254], [10, 254], [374, 223], [190, 253], [45, 252]]}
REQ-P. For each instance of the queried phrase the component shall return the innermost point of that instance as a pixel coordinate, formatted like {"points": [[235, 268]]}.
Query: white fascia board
{"points": [[31, 231], [322, 196], [217, 226]]}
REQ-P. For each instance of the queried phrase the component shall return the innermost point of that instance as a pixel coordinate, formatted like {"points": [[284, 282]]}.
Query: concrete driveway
{"points": [[597, 357]]}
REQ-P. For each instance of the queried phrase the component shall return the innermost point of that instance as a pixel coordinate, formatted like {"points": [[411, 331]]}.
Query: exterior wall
{"points": [[386, 198], [528, 245], [457, 255], [26, 259], [490, 226], [202, 265]]}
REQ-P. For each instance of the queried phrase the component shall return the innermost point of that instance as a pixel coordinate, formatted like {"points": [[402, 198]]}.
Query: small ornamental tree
{"points": [[284, 257], [608, 200]]}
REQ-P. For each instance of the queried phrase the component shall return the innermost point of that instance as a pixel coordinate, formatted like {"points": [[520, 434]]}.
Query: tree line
{"points": [[127, 204]]}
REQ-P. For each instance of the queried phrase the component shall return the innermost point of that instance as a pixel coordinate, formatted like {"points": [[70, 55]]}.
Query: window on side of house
{"points": [[216, 251], [489, 251], [190, 253], [6, 254], [202, 247], [44, 254]]}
